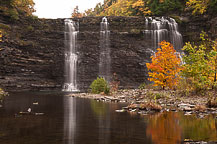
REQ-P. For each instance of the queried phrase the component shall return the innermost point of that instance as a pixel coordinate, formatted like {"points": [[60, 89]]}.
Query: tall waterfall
{"points": [[70, 56], [159, 29], [105, 59]]}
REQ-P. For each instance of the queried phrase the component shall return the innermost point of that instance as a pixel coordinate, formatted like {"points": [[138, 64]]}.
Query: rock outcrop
{"points": [[32, 52]]}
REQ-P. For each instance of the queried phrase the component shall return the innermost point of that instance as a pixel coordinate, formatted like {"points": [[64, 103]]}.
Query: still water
{"points": [[69, 120]]}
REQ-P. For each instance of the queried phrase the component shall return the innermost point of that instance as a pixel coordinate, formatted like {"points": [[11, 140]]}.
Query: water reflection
{"points": [[199, 129], [173, 128], [69, 120], [164, 128], [101, 112]]}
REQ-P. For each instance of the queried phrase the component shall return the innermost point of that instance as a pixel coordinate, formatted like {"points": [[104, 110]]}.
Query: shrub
{"points": [[100, 85], [142, 86], [30, 28], [114, 84]]}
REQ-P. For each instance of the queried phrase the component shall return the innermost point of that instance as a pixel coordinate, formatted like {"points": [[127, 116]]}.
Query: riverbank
{"points": [[148, 101]]}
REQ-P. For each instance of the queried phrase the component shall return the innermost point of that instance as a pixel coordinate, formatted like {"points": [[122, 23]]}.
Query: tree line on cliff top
{"points": [[149, 7], [15, 8]]}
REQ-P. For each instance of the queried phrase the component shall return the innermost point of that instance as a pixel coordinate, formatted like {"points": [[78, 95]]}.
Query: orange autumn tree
{"points": [[165, 66]]}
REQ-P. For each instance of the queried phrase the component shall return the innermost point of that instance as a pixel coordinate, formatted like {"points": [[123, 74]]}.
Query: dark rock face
{"points": [[192, 26], [32, 54], [128, 53]]}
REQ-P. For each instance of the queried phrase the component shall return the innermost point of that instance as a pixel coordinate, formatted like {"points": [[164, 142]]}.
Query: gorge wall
{"points": [[32, 52]]}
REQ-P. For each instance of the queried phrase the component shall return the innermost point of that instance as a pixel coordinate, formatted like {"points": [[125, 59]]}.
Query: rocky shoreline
{"points": [[151, 101]]}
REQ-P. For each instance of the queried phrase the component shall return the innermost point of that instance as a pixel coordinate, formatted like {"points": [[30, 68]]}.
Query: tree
{"points": [[14, 8], [198, 6], [25, 5], [165, 66], [200, 63], [89, 12], [76, 13], [140, 8]]}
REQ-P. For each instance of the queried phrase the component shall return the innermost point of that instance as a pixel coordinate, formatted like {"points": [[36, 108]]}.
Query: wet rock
{"points": [[187, 109], [133, 110], [173, 110], [35, 103], [150, 106], [200, 108], [29, 110], [188, 113], [134, 106], [122, 110], [39, 114], [24, 113], [186, 105]]}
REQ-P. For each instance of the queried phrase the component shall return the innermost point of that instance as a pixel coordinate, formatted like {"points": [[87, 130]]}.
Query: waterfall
{"points": [[70, 56], [105, 59], [159, 29]]}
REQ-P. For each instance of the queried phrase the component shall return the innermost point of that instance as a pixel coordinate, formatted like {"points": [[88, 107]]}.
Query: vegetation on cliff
{"points": [[151, 7], [15, 8]]}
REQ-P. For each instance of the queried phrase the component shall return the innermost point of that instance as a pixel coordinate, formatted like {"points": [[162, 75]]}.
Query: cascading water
{"points": [[70, 56], [105, 59], [159, 29]]}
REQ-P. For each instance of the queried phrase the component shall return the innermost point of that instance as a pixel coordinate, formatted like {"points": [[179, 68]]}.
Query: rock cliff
{"points": [[32, 52]]}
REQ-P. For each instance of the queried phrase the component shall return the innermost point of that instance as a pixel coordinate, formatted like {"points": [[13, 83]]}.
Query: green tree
{"points": [[14, 8], [200, 63]]}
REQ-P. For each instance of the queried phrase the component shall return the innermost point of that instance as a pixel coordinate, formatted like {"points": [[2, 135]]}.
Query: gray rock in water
{"points": [[122, 110], [39, 114]]}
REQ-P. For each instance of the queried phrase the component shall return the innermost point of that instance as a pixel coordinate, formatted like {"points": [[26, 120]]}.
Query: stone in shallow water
{"points": [[38, 114], [120, 110]]}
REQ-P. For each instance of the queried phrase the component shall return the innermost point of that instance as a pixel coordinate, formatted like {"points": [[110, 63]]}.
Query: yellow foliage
{"points": [[0, 36], [76, 13], [165, 66], [198, 6], [124, 8], [25, 5]]}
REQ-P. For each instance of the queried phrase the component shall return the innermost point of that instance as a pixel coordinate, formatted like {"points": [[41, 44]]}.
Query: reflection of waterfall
{"points": [[105, 59], [69, 120], [159, 29], [70, 56]]}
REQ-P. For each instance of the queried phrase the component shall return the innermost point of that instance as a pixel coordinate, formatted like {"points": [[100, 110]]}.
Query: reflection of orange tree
{"points": [[164, 128], [199, 129]]}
